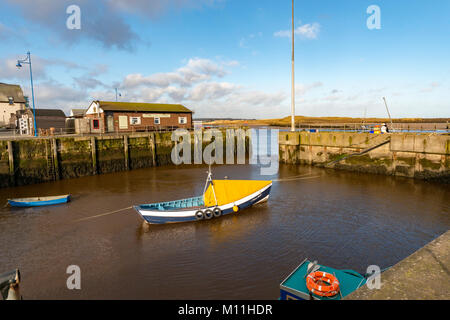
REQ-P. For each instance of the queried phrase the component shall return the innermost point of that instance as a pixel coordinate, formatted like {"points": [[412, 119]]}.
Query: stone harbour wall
{"points": [[421, 156], [34, 160]]}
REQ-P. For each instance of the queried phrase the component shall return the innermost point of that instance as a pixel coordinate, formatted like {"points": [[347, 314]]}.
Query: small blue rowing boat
{"points": [[312, 281], [38, 201]]}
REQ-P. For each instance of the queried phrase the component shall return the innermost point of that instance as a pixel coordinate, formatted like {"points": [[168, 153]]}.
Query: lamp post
{"points": [[27, 60]]}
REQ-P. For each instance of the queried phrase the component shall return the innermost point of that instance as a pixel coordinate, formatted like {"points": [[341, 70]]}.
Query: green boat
{"points": [[295, 287]]}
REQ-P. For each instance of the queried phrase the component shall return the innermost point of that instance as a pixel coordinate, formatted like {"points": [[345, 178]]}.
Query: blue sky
{"points": [[231, 58]]}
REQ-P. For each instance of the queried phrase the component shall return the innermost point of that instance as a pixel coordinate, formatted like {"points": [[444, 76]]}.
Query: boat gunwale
{"points": [[223, 207], [39, 199], [179, 216]]}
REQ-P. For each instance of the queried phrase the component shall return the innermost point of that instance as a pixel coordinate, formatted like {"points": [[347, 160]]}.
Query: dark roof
{"points": [[11, 90], [50, 118], [46, 123], [143, 107], [49, 113]]}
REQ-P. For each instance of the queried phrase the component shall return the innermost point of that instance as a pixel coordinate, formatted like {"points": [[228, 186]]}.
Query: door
{"points": [[110, 123]]}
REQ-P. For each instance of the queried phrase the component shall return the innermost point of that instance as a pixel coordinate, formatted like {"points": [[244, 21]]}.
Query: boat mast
{"points": [[209, 180], [293, 76], [389, 114]]}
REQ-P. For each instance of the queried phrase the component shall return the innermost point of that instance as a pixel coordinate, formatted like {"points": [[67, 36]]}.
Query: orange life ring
{"points": [[322, 283]]}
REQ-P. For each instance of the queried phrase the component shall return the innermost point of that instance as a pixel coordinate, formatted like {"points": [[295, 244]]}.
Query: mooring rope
{"points": [[292, 178], [103, 214]]}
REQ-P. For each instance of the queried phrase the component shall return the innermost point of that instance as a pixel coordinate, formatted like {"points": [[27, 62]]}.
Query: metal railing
{"points": [[310, 127], [349, 127], [370, 127], [15, 133]]}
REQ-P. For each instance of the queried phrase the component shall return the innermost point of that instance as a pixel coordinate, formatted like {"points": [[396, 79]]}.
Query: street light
{"points": [[27, 60]]}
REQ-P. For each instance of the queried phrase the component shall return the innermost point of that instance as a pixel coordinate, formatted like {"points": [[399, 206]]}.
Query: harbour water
{"points": [[342, 219]]}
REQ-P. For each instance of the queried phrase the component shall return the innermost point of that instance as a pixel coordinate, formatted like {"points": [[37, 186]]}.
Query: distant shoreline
{"points": [[300, 120]]}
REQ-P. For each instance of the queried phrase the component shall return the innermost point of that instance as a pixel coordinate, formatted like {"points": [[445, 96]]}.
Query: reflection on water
{"points": [[342, 219]]}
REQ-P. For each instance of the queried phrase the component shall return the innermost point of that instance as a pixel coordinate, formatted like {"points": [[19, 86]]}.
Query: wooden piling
{"points": [[94, 155], [11, 162], [55, 159], [151, 141], [125, 151]]}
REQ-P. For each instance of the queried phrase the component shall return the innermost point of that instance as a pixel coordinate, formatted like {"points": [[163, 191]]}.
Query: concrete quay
{"points": [[424, 275]]}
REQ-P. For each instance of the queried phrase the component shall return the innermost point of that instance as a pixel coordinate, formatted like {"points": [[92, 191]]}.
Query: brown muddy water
{"points": [[342, 219]]}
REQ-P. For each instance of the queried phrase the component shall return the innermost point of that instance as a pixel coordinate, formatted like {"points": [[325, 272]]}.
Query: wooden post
{"points": [[11, 162], [394, 162], [55, 159], [125, 151], [94, 155], [151, 140]]}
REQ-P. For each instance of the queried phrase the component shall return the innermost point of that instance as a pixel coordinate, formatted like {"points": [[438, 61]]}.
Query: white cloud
{"points": [[54, 95], [306, 31], [243, 103], [248, 41], [301, 89], [196, 70], [433, 85], [195, 85], [212, 90]]}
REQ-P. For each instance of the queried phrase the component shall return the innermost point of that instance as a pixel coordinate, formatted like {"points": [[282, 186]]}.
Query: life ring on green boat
{"points": [[217, 212], [323, 284], [199, 215], [208, 214]]}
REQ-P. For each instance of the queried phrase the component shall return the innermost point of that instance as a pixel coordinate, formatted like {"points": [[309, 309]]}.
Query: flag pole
{"points": [[293, 76]]}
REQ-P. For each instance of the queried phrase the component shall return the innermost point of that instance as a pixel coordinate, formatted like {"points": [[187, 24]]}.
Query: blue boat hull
{"points": [[14, 203]]}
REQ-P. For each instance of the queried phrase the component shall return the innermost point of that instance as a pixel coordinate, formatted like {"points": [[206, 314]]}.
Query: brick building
{"points": [[11, 100], [106, 116], [47, 121]]}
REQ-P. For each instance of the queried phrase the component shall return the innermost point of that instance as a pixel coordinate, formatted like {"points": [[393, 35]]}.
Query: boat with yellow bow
{"points": [[220, 197]]}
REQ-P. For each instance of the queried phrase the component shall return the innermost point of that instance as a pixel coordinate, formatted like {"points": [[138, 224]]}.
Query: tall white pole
{"points": [[293, 76]]}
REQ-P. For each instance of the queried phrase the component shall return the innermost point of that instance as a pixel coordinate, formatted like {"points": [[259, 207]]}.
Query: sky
{"points": [[232, 58]]}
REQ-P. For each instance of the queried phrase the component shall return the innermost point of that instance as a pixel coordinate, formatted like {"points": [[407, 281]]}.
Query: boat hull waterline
{"points": [[155, 216]]}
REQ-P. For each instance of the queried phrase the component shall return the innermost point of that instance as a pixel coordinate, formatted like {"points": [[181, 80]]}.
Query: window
{"points": [[96, 124], [135, 120], [123, 122], [182, 120], [157, 120]]}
